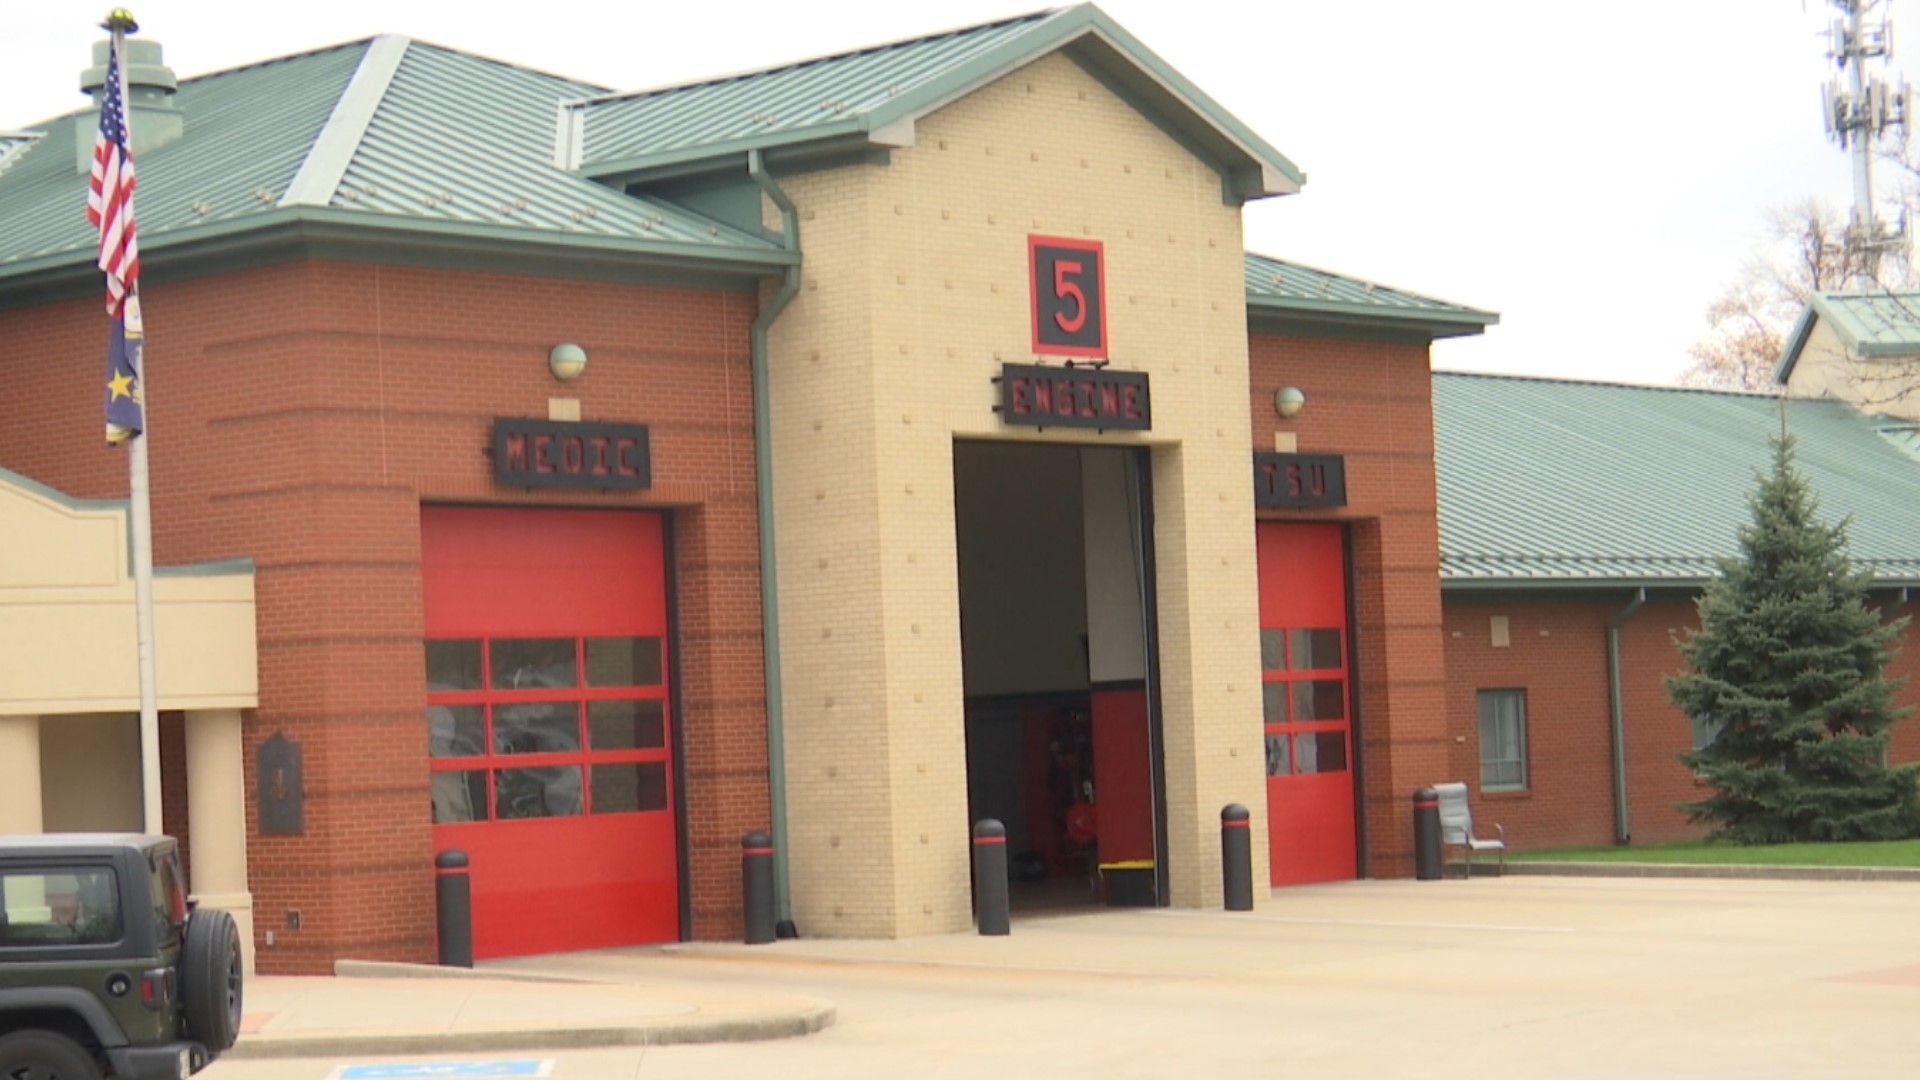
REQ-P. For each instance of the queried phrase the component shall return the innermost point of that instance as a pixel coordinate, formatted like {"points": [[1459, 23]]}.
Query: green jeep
{"points": [[106, 968]]}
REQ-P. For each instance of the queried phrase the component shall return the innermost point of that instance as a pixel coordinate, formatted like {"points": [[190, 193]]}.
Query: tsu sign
{"points": [[1295, 480]]}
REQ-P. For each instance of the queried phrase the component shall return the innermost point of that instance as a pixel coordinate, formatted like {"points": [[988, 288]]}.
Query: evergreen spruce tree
{"points": [[1787, 665]]}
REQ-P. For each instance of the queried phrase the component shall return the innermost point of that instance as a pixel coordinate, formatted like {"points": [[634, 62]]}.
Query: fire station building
{"points": [[852, 449]]}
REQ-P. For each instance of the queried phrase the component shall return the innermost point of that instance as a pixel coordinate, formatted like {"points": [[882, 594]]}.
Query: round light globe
{"points": [[1288, 401], [567, 362]]}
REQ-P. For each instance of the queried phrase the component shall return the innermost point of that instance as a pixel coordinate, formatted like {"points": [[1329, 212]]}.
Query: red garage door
{"points": [[547, 702], [1303, 649]]}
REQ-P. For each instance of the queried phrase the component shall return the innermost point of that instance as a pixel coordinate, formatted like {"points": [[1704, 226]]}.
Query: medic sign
{"points": [[558, 453], [1034, 396], [1069, 285], [1299, 480]]}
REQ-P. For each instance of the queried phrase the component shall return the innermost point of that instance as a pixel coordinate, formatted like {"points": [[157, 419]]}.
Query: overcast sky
{"points": [[1593, 172]]}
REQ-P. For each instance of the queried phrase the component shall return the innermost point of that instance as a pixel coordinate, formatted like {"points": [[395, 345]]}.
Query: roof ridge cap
{"points": [[325, 165], [501, 62], [1036, 17], [1310, 268], [1671, 388]]}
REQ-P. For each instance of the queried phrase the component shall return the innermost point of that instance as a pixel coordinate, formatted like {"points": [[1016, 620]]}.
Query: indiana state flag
{"points": [[126, 411]]}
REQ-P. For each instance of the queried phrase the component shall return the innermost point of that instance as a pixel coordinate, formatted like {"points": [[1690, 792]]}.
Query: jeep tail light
{"points": [[156, 988]]}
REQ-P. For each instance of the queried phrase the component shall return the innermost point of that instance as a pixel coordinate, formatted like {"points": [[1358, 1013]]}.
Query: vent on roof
{"points": [[12, 142], [153, 119]]}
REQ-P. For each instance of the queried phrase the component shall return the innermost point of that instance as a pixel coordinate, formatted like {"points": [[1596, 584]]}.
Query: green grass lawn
{"points": [[1884, 853]]}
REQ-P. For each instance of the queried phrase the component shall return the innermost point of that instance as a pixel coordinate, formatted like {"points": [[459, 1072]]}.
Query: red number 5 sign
{"points": [[1068, 281]]}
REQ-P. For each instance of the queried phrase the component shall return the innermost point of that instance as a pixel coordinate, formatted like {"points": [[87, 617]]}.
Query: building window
{"points": [[1705, 730], [1503, 740], [522, 728]]}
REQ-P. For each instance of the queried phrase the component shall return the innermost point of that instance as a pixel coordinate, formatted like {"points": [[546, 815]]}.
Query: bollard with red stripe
{"points": [[453, 908], [990, 899], [756, 886], [1236, 856], [1426, 835]]}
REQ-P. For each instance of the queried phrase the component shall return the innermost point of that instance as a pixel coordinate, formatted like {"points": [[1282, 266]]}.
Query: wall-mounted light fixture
{"points": [[567, 361], [1288, 401]]}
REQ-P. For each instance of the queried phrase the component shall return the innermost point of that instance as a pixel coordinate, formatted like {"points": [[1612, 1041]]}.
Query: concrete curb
{"points": [[1697, 870], [665, 1033], [803, 1016], [721, 954], [388, 969]]}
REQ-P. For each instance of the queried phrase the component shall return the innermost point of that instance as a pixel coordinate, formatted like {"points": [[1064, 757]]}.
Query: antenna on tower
{"points": [[1858, 111]]}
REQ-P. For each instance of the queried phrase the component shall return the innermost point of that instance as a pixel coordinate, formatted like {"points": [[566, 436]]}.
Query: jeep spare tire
{"points": [[210, 979]]}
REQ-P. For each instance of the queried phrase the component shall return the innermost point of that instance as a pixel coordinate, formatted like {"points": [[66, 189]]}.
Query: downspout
{"points": [[769, 583], [1622, 834]]}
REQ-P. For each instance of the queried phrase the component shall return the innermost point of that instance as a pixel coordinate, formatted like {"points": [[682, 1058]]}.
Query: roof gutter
{"points": [[1622, 832], [769, 582]]}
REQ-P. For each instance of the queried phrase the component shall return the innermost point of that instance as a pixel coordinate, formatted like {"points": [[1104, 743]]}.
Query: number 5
{"points": [[1064, 289]]}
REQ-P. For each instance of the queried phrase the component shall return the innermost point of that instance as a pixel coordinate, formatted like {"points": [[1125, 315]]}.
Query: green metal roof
{"points": [[11, 141], [1881, 325], [417, 140], [246, 132], [386, 134], [1903, 435], [423, 154], [1545, 482], [1292, 291], [872, 97]]}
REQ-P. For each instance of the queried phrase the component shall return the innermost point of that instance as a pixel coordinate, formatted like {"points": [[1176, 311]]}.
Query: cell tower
{"points": [[1858, 112]]}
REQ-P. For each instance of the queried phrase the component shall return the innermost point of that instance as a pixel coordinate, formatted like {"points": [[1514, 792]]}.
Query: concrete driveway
{"points": [[1522, 976]]}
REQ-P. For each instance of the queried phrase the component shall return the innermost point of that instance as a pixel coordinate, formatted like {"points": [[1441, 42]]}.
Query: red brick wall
{"points": [[1373, 403], [301, 414], [1905, 745], [1558, 656]]}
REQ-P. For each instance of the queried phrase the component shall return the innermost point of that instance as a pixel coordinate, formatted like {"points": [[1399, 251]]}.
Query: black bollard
{"points": [[1236, 856], [1426, 835], [756, 886], [453, 908], [990, 900]]}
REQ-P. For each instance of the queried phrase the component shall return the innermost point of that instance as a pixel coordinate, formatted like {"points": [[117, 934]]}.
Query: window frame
{"points": [[577, 691], [1495, 696], [1697, 724]]}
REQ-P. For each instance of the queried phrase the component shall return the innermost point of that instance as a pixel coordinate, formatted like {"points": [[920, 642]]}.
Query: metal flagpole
{"points": [[121, 23], [143, 620]]}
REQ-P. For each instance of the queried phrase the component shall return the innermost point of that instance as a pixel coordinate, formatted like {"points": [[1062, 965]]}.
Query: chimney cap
{"points": [[146, 67]]}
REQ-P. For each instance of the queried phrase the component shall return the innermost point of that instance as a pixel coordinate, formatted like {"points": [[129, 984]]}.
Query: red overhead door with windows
{"points": [[1307, 702], [549, 723]]}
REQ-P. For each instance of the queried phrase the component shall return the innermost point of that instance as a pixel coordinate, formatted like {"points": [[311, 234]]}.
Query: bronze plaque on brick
{"points": [[282, 795]]}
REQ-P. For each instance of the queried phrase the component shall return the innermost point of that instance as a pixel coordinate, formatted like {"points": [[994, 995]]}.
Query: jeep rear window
{"points": [[169, 897], [59, 906]]}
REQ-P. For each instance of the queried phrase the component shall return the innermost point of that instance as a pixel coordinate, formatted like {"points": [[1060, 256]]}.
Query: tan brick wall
{"points": [[915, 292], [1826, 368]]}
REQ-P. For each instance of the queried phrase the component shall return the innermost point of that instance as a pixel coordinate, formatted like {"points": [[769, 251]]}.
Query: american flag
{"points": [[110, 198], [110, 206]]}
